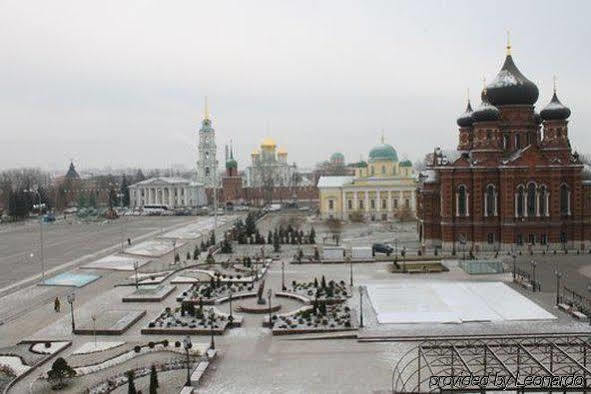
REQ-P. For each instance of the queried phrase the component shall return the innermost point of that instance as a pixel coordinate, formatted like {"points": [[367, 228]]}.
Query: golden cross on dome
{"points": [[382, 136], [468, 95], [508, 43], [206, 110]]}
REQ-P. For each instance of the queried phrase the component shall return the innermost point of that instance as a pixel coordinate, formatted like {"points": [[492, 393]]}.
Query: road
{"points": [[65, 242]]}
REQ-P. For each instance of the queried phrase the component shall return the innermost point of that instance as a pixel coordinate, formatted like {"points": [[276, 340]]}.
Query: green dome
{"points": [[337, 156], [231, 164], [383, 152], [406, 163]]}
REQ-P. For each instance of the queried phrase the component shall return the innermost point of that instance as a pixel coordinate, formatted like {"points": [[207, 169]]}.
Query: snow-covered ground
{"points": [[53, 348], [202, 227], [116, 262], [73, 279], [154, 248], [434, 301], [91, 347], [14, 363]]}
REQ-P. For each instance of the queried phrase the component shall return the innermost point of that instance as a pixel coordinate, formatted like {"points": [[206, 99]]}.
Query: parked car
{"points": [[381, 248]]}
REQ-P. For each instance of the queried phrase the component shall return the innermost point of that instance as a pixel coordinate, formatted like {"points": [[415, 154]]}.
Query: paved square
{"points": [[116, 263], [451, 302], [154, 248]]}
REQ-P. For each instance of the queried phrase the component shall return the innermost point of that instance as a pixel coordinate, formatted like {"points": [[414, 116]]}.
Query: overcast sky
{"points": [[121, 83]]}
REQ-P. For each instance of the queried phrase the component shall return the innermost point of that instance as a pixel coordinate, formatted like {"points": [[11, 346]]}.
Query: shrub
{"points": [[151, 345], [177, 344], [137, 348]]}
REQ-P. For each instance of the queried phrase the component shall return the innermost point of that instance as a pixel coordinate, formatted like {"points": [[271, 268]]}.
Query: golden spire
{"points": [[508, 43], [206, 110], [554, 79]]}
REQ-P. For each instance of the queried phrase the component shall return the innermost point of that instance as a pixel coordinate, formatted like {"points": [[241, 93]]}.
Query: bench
{"points": [[198, 372]]}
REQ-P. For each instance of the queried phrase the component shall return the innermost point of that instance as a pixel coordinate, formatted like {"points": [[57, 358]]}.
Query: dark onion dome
{"points": [[555, 110], [510, 86], [486, 112], [406, 163], [537, 118], [465, 119]]}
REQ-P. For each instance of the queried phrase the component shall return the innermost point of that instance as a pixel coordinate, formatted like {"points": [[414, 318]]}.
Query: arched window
{"points": [[383, 170], [519, 201], [505, 141], [564, 200], [490, 201], [462, 201], [531, 199], [517, 142], [542, 197], [372, 170]]}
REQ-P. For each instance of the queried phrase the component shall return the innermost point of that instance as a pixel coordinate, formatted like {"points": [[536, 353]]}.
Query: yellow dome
{"points": [[281, 151], [268, 143], [255, 152]]}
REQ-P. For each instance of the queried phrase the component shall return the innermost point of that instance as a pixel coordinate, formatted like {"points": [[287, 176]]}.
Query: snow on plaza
{"points": [[451, 302]]}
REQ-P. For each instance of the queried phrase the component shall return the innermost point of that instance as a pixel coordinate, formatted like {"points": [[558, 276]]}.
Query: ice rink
{"points": [[451, 302]]}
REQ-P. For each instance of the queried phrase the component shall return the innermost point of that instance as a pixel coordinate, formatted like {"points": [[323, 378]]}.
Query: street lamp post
{"points": [[211, 317], [120, 197], [40, 206], [269, 294], [71, 298], [558, 276], [533, 276], [360, 307], [136, 265], [514, 265], [174, 251], [396, 247], [350, 271], [231, 318], [93, 317], [188, 345], [283, 276]]}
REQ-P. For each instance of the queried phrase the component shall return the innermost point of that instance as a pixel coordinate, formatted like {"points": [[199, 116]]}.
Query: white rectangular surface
{"points": [[333, 253], [451, 302], [361, 252], [116, 263]]}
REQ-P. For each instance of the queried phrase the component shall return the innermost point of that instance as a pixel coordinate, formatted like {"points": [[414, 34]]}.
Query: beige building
{"points": [[382, 189]]}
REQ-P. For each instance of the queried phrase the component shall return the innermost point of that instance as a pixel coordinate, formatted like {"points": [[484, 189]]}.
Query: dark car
{"points": [[381, 248]]}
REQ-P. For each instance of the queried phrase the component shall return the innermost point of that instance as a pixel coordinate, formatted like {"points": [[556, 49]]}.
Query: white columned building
{"points": [[169, 192]]}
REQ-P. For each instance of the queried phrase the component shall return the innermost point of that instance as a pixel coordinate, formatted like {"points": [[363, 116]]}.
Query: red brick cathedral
{"points": [[513, 180]]}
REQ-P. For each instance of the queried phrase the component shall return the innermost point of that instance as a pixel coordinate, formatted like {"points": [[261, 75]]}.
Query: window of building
{"points": [[206, 154], [360, 204], [531, 239], [519, 240], [462, 201], [564, 200], [384, 170], [372, 203], [372, 170], [407, 203], [563, 238], [384, 216], [395, 203], [330, 204], [544, 239], [490, 201], [384, 204], [542, 196], [207, 171], [350, 204], [517, 142], [505, 141], [488, 135], [490, 238], [531, 200], [519, 202]]}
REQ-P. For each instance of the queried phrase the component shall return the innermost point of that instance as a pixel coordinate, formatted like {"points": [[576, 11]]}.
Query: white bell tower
{"points": [[207, 164]]}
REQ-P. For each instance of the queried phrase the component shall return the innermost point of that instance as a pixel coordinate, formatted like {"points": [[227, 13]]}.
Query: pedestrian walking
{"points": [[129, 241], [56, 305]]}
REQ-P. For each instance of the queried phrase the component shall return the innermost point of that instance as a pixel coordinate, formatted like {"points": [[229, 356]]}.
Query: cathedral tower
{"points": [[207, 163]]}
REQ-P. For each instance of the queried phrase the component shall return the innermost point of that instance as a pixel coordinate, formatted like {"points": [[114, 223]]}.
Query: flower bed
{"points": [[188, 319], [208, 293], [317, 318], [322, 291]]}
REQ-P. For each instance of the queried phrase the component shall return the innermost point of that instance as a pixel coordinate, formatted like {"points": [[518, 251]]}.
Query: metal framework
{"points": [[558, 362]]}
